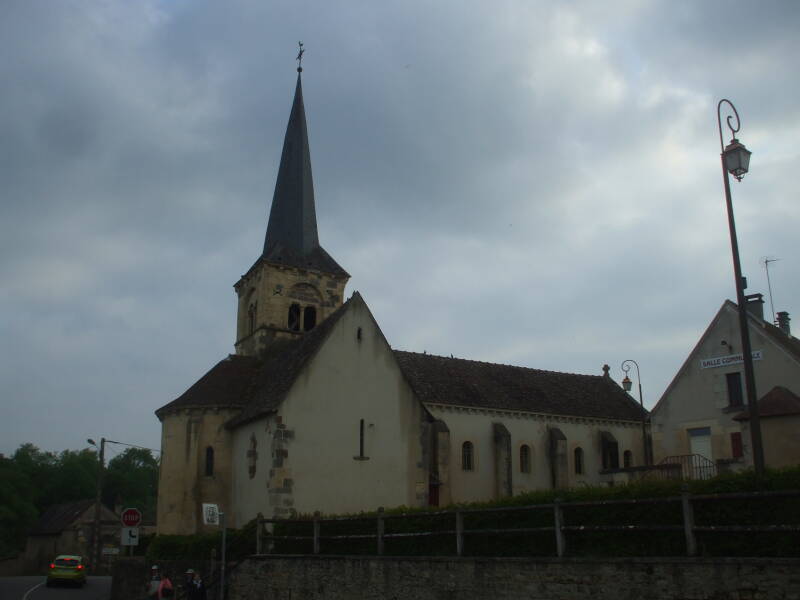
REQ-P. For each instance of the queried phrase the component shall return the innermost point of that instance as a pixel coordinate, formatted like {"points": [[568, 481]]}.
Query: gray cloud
{"points": [[529, 183]]}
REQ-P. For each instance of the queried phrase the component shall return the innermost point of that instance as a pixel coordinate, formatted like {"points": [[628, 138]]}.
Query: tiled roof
{"points": [[316, 259], [225, 385], [257, 385], [459, 382], [778, 402], [281, 366], [57, 518], [788, 342]]}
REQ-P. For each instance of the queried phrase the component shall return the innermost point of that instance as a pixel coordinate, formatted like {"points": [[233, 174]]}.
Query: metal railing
{"points": [[559, 529], [693, 466]]}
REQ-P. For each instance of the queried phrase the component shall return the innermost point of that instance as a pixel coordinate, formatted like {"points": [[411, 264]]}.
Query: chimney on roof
{"points": [[606, 369], [755, 305], [783, 322]]}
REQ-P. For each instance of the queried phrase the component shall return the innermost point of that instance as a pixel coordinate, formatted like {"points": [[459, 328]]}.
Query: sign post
{"points": [[213, 516]]}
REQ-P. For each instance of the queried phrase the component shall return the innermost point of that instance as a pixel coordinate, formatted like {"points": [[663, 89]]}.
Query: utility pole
{"points": [[97, 550]]}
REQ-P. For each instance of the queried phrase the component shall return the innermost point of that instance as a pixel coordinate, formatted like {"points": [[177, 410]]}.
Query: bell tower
{"points": [[295, 283]]}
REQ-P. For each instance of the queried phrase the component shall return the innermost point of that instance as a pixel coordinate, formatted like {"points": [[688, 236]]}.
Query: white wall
{"points": [[699, 397], [527, 428], [347, 381]]}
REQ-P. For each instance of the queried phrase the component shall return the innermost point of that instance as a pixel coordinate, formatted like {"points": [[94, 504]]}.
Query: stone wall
{"points": [[346, 578], [131, 576]]}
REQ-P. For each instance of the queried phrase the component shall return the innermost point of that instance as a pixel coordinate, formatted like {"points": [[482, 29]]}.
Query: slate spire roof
{"points": [[292, 237]]}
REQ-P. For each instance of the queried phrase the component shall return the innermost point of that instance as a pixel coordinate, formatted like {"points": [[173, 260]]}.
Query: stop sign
{"points": [[131, 517]]}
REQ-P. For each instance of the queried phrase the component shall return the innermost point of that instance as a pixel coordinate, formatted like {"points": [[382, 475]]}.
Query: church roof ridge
{"points": [[498, 364]]}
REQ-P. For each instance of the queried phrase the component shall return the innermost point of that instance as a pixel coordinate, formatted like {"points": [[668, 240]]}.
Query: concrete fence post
{"points": [[688, 524], [459, 533], [381, 526], [259, 525], [316, 532], [558, 523]]}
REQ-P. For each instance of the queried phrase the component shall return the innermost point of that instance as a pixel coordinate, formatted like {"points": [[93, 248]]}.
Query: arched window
{"points": [[627, 459], [294, 317], [209, 461], [525, 459], [309, 318], [467, 458], [578, 461]]}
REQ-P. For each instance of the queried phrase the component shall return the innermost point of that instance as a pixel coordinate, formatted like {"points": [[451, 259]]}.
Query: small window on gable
{"points": [[361, 455], [578, 461], [294, 317], [251, 317], [627, 459], [525, 459], [309, 318], [467, 457], [209, 461], [358, 334], [252, 457], [734, 381]]}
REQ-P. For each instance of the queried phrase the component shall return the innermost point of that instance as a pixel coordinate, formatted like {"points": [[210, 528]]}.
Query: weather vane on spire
{"points": [[300, 58]]}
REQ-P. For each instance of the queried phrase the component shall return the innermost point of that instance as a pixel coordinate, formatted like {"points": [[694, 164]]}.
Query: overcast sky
{"points": [[532, 183]]}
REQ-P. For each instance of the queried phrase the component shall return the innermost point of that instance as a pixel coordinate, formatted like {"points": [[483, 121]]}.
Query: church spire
{"points": [[292, 228], [294, 285], [293, 220]]}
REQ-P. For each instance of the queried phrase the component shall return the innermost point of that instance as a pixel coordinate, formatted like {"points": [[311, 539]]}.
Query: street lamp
{"points": [[736, 161], [626, 385], [96, 537]]}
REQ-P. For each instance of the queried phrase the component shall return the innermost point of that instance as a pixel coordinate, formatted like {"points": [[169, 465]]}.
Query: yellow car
{"points": [[67, 568]]}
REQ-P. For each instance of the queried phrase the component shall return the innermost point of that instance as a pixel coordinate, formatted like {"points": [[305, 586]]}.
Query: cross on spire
{"points": [[300, 58]]}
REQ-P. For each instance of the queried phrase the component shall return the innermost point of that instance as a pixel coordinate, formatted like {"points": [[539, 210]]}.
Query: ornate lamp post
{"points": [[736, 161], [626, 385]]}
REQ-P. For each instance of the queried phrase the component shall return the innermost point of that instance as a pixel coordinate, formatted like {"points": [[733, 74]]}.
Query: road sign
{"points": [[130, 536], [210, 514], [131, 517]]}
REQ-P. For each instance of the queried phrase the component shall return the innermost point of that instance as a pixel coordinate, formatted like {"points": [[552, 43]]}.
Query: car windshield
{"points": [[67, 562]]}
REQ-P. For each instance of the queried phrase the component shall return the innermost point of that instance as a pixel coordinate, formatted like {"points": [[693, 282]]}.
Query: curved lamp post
{"points": [[626, 385], [736, 161], [96, 551]]}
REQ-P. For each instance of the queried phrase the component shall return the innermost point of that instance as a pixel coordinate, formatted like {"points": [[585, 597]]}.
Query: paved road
{"points": [[33, 588]]}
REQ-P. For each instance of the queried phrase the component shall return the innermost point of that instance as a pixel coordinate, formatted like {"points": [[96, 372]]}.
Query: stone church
{"points": [[316, 411]]}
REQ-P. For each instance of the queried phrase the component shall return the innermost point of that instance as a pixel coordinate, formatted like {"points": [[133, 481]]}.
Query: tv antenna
{"points": [[766, 260]]}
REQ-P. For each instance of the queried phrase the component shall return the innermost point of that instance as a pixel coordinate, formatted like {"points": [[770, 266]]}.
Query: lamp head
{"points": [[91, 441], [627, 383], [737, 159]]}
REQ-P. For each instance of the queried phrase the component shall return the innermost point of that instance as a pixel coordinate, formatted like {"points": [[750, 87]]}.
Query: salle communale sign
{"points": [[724, 361]]}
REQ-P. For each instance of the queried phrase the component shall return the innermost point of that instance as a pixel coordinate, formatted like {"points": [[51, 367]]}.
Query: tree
{"points": [[17, 510], [131, 479]]}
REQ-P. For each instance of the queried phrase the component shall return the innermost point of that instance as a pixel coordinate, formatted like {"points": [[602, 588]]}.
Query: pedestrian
{"points": [[188, 579], [165, 589], [197, 589], [153, 583]]}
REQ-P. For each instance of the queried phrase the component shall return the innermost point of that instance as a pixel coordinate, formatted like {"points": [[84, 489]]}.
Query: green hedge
{"points": [[754, 511], [240, 543]]}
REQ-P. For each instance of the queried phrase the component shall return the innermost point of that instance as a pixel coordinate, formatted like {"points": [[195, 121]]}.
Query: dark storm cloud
{"points": [[531, 183]]}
